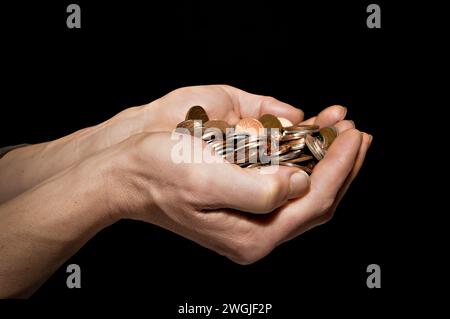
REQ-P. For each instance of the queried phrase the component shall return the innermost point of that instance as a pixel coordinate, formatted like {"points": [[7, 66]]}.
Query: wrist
{"points": [[130, 175]]}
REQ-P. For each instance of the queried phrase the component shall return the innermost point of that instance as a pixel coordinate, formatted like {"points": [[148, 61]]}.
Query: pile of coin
{"points": [[269, 140]]}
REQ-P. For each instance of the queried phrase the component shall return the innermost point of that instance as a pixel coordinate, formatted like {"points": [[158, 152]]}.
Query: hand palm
{"points": [[329, 181]]}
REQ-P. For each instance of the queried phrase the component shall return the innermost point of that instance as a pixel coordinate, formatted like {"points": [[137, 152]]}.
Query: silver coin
{"points": [[281, 149], [238, 135], [297, 144], [246, 146], [224, 150], [313, 145], [291, 137], [254, 165], [290, 155], [212, 135]]}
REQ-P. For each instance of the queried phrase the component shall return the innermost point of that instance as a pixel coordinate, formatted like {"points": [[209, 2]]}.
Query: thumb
{"points": [[256, 190]]}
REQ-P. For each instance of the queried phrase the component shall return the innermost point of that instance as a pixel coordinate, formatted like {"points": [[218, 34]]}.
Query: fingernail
{"points": [[345, 112], [370, 139], [298, 184]]}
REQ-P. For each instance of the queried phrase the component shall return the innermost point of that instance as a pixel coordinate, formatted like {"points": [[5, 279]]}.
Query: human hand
{"points": [[28, 166], [209, 202], [115, 171]]}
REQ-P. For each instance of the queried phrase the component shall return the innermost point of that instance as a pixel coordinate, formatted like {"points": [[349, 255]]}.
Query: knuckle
{"points": [[326, 217], [269, 196], [246, 250], [227, 87], [269, 99], [325, 205]]}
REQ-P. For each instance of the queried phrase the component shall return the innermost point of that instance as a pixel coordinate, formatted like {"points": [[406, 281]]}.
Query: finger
{"points": [[331, 115], [309, 121], [327, 117], [367, 141], [253, 190], [330, 173], [344, 125], [253, 105], [326, 180]]}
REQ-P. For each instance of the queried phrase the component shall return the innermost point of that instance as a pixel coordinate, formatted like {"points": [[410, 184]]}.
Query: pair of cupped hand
{"points": [[240, 213]]}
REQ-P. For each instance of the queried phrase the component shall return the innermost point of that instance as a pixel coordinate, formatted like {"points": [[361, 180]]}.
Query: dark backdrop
{"points": [[312, 55]]}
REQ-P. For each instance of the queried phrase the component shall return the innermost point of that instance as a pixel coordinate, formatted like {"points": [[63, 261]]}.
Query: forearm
{"points": [[23, 168], [43, 227]]}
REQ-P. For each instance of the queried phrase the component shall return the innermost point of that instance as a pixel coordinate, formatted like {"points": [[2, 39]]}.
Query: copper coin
{"points": [[285, 122], [197, 113], [301, 158], [189, 125], [301, 129], [271, 121], [249, 125], [289, 156], [328, 135]]}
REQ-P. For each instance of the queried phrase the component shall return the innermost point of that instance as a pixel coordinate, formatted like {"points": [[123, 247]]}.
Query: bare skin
{"points": [[55, 196]]}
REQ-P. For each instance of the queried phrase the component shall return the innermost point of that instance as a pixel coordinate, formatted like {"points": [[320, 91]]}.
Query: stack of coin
{"points": [[269, 140]]}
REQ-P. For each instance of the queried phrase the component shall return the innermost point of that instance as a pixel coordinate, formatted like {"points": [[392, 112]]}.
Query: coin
{"points": [[301, 129], [255, 143], [285, 122], [314, 147], [291, 137], [246, 146], [255, 165], [221, 125], [283, 148], [328, 135], [189, 125], [249, 125], [237, 135], [224, 150], [217, 144], [297, 144], [288, 156], [197, 113], [212, 134], [300, 159], [271, 121]]}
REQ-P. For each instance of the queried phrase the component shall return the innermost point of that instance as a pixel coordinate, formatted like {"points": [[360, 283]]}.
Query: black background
{"points": [[311, 55]]}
